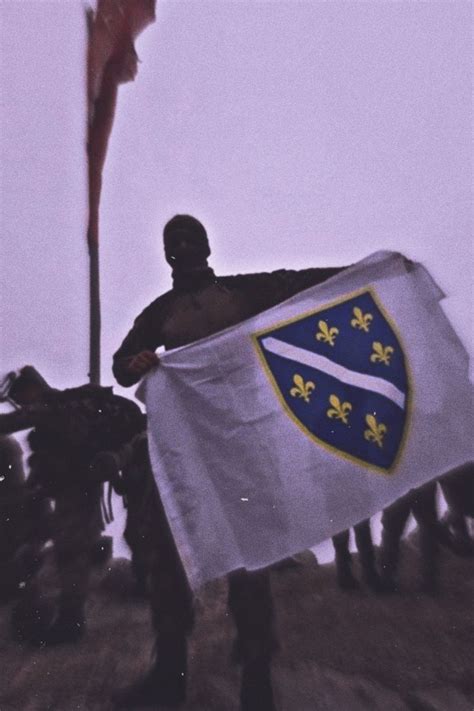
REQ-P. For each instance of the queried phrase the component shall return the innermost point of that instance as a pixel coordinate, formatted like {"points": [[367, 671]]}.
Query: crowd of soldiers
{"points": [[82, 437], [451, 531]]}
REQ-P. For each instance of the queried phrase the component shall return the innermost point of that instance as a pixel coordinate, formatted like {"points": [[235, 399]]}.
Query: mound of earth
{"points": [[350, 651]]}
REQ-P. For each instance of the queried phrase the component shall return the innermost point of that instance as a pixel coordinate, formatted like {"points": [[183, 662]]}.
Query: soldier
{"points": [[198, 305], [70, 427], [157, 568], [458, 490], [365, 548], [12, 513], [422, 503]]}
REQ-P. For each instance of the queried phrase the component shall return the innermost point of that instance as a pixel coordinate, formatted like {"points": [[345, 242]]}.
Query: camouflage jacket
{"points": [[70, 427], [198, 307]]}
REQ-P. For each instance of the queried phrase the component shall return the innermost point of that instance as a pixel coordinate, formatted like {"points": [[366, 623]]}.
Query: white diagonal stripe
{"points": [[350, 377]]}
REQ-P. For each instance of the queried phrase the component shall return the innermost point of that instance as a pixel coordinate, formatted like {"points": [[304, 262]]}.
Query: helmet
{"points": [[16, 382]]}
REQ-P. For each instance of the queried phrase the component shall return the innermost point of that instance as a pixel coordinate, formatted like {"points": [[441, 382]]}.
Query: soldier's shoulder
{"points": [[86, 395], [97, 392], [155, 308], [238, 280], [100, 399], [82, 391], [118, 402]]}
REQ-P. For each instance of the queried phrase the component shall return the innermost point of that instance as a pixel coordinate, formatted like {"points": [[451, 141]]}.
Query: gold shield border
{"points": [[342, 299]]}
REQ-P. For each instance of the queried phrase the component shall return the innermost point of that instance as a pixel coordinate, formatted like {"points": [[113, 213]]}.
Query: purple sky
{"points": [[301, 133]]}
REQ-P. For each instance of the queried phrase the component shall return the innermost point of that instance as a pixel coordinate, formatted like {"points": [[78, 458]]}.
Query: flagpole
{"points": [[111, 60], [94, 315]]}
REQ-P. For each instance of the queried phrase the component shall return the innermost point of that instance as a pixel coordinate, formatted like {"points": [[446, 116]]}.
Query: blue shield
{"points": [[341, 374]]}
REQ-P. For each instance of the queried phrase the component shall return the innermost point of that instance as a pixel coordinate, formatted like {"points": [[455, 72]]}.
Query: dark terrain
{"points": [[339, 651]]}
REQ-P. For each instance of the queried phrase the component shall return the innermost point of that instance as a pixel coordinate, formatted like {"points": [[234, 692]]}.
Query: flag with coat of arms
{"points": [[277, 433]]}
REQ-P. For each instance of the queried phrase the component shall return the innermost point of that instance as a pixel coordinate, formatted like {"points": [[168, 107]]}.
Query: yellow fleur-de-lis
{"points": [[381, 353], [301, 388], [326, 334], [339, 410], [361, 321], [376, 431]]}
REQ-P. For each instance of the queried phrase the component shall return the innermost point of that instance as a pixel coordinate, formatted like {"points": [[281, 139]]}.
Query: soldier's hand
{"points": [[143, 362]]}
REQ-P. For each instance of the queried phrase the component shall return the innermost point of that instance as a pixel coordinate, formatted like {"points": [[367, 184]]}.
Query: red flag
{"points": [[111, 60]]}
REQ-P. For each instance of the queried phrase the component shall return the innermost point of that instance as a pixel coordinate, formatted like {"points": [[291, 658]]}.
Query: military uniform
{"points": [[12, 513], [202, 304], [365, 548], [458, 490], [422, 503], [145, 519], [70, 427], [155, 562], [199, 305]]}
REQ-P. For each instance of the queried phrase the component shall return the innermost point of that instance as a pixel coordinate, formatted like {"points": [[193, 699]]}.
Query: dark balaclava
{"points": [[190, 225], [192, 272]]}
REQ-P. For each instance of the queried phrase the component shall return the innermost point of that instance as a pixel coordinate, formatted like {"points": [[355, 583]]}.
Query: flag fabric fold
{"points": [[275, 434]]}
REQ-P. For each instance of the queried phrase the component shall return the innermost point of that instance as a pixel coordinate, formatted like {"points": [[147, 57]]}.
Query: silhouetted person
{"points": [[343, 560], [452, 532], [422, 503], [199, 305], [70, 427], [12, 514], [458, 489], [157, 568]]}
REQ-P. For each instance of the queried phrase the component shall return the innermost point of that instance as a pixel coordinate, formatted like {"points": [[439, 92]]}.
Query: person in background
{"points": [[69, 428], [13, 520], [343, 559]]}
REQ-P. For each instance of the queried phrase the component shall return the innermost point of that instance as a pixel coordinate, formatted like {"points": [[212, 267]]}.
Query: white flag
{"points": [[273, 435]]}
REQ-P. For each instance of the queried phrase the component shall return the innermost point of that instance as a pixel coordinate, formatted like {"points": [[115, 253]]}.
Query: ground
{"points": [[339, 651]]}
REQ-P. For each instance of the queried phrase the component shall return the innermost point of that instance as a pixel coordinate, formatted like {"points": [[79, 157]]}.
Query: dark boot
{"points": [[159, 687], [429, 533], [365, 546], [345, 576], [256, 692], [388, 572], [374, 582], [454, 534], [251, 605], [429, 551], [343, 560], [394, 519]]}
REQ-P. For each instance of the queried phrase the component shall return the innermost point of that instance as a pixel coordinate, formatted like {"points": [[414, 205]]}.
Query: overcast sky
{"points": [[300, 133]]}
